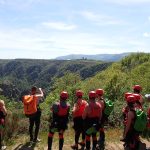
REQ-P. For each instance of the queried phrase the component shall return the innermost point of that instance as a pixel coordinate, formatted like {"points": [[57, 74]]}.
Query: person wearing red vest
{"points": [[60, 117], [137, 90], [138, 103], [130, 136], [125, 109], [100, 100], [77, 112], [92, 116]]}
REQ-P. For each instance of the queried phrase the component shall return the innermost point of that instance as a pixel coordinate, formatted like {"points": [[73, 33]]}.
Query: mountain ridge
{"points": [[102, 57]]}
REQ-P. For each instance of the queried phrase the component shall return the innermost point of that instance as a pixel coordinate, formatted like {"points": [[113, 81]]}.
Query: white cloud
{"points": [[100, 19], [59, 26], [146, 34], [38, 43], [129, 2]]}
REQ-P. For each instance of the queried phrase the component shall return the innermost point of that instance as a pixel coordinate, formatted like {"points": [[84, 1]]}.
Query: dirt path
{"points": [[39, 146], [112, 141]]}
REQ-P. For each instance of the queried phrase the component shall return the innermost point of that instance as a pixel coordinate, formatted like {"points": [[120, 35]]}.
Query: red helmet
{"points": [[137, 96], [137, 87], [99, 91], [64, 95], [92, 94], [79, 93], [131, 99], [127, 94]]}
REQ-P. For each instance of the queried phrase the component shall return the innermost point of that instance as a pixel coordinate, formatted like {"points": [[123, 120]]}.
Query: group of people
{"points": [[89, 118]]}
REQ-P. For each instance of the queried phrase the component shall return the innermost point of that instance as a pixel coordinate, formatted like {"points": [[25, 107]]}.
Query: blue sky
{"points": [[46, 29]]}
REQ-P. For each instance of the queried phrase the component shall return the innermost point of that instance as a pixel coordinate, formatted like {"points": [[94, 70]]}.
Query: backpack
{"points": [[91, 130], [140, 121], [109, 106], [30, 105]]}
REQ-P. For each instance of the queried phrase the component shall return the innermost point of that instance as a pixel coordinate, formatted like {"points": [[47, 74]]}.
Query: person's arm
{"points": [[41, 94], [129, 122], [4, 110], [85, 112]]}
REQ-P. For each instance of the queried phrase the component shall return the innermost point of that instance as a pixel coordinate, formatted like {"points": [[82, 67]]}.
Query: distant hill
{"points": [[18, 75], [121, 76], [102, 57]]}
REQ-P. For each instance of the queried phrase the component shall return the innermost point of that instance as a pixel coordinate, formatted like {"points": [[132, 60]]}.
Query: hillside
{"points": [[17, 76], [102, 57], [117, 79], [121, 76]]}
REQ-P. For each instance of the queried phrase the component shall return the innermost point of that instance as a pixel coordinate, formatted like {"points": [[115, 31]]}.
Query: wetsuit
{"points": [[92, 112], [60, 112], [132, 136], [78, 121]]}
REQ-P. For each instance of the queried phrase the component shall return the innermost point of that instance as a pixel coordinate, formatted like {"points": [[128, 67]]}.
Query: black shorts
{"points": [[78, 124], [89, 122], [59, 123]]}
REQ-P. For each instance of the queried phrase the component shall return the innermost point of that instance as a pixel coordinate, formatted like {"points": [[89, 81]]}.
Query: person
{"points": [[60, 116], [138, 103], [35, 120], [3, 113], [77, 112], [130, 136], [125, 109], [100, 100], [137, 90], [92, 116]]}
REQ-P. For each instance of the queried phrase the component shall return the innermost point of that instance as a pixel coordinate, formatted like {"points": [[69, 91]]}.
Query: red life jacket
{"points": [[63, 111], [80, 108], [95, 110]]}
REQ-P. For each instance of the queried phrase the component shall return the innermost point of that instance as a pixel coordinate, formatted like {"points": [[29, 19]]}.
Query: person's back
{"points": [[137, 90], [60, 117], [130, 136], [35, 118], [92, 116], [77, 113], [104, 118], [60, 112], [78, 108]]}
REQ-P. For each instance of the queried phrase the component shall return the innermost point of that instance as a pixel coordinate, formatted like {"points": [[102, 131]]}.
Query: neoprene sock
{"points": [[50, 140], [61, 143]]}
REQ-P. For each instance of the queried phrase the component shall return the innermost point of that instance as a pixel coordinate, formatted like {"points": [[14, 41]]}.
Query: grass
{"points": [[21, 142]]}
